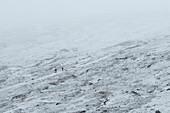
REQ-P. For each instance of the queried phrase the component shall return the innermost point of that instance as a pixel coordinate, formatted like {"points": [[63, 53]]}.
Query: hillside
{"points": [[129, 77]]}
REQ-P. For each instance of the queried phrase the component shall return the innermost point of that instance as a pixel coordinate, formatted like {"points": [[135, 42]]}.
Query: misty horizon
{"points": [[14, 13]]}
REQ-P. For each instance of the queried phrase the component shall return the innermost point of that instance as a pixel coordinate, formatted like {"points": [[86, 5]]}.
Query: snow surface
{"points": [[112, 64]]}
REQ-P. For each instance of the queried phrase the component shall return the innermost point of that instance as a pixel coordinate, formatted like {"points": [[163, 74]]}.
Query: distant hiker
{"points": [[55, 70], [62, 69], [157, 111]]}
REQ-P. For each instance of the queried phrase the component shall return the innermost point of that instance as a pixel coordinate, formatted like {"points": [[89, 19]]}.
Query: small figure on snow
{"points": [[157, 111], [55, 70]]}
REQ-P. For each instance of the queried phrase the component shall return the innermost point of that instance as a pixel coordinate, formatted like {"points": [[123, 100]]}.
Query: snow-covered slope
{"points": [[128, 77], [107, 64]]}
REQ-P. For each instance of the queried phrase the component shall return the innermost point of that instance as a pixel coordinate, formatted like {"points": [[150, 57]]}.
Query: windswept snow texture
{"points": [[107, 63], [130, 77]]}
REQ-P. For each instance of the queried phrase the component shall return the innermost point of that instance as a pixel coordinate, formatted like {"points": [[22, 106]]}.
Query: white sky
{"points": [[20, 12]]}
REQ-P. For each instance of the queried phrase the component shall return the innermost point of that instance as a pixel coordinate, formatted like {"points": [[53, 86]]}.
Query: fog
{"points": [[15, 13]]}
